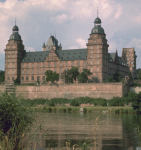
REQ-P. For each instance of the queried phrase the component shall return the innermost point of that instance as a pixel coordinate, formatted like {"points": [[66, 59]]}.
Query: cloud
{"points": [[81, 42], [134, 43], [31, 49], [59, 18]]}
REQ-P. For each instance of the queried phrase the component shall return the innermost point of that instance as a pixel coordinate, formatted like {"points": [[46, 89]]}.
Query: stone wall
{"points": [[95, 90]]}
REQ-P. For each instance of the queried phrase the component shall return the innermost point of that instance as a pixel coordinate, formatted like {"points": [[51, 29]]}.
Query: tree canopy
{"points": [[51, 76]]}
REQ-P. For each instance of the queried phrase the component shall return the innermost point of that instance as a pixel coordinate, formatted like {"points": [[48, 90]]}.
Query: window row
{"points": [[27, 78], [33, 78], [55, 64]]}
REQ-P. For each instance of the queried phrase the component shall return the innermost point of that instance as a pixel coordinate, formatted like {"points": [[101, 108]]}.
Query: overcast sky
{"points": [[72, 20]]}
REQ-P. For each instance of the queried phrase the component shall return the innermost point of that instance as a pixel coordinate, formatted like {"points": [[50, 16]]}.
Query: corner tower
{"points": [[97, 51], [129, 57], [13, 55]]}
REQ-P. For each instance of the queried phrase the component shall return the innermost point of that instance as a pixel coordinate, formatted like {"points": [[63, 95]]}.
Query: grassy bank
{"points": [[85, 109]]}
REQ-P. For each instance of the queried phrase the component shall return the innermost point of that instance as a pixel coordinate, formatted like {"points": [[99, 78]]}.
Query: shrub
{"points": [[69, 109], [74, 103], [116, 101], [84, 110], [51, 103], [15, 121]]}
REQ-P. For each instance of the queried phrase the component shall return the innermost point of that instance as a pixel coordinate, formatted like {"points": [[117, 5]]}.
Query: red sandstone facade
{"points": [[101, 63]]}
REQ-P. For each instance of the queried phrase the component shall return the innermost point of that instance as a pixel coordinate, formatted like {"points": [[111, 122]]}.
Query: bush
{"points": [[69, 109], [51, 103], [116, 101], [15, 121], [84, 110], [74, 103]]}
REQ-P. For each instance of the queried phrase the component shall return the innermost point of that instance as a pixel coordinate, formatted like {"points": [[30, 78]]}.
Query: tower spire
{"points": [[15, 20]]}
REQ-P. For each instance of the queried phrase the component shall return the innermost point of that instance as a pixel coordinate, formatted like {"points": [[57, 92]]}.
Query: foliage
{"points": [[67, 77], [51, 76], [116, 101], [55, 77], [51, 103], [74, 103], [38, 81], [16, 81], [139, 73], [109, 79], [15, 121], [136, 83], [137, 103], [117, 76], [2, 76], [74, 73], [83, 77]]}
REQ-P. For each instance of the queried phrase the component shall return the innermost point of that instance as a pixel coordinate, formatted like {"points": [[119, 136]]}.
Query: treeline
{"points": [[128, 99]]}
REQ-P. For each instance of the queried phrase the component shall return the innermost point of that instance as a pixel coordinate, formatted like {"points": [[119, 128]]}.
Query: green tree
{"points": [[139, 74], [55, 77], [48, 74], [83, 77], [16, 81], [67, 77], [117, 76], [2, 76], [73, 72], [51, 76]]}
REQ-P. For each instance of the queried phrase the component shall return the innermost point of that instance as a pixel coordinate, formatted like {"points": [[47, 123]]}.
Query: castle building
{"points": [[31, 66]]}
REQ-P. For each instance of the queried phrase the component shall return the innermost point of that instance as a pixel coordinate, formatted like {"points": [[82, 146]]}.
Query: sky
{"points": [[71, 21]]}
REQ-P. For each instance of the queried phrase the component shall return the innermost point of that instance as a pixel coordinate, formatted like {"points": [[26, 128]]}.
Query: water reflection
{"points": [[98, 131]]}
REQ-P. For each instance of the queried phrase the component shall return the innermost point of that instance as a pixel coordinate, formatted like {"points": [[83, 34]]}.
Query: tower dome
{"points": [[97, 27], [15, 28], [97, 20], [15, 35]]}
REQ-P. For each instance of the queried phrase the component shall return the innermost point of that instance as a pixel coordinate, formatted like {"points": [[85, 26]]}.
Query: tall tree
{"points": [[67, 77], [74, 73], [51, 76], [83, 77], [117, 76]]}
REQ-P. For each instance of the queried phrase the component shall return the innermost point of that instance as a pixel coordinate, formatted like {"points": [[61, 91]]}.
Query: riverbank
{"points": [[89, 109]]}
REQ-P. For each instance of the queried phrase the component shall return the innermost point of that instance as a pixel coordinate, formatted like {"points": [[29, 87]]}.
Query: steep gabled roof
{"points": [[64, 55], [39, 56], [72, 54]]}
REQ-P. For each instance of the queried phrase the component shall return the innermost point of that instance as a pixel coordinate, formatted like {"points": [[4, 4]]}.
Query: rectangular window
{"points": [[66, 63], [38, 78], [12, 78], [37, 71], [22, 78], [43, 71], [72, 63], [32, 65], [91, 62], [54, 64], [60, 63], [37, 65], [32, 71], [43, 64], [78, 63], [12, 71], [43, 77], [49, 64], [8, 78], [32, 78], [60, 70], [27, 65], [22, 65], [27, 71], [26, 77], [54, 70]]}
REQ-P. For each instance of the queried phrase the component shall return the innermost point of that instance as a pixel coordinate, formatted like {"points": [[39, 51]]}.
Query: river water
{"points": [[99, 131]]}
